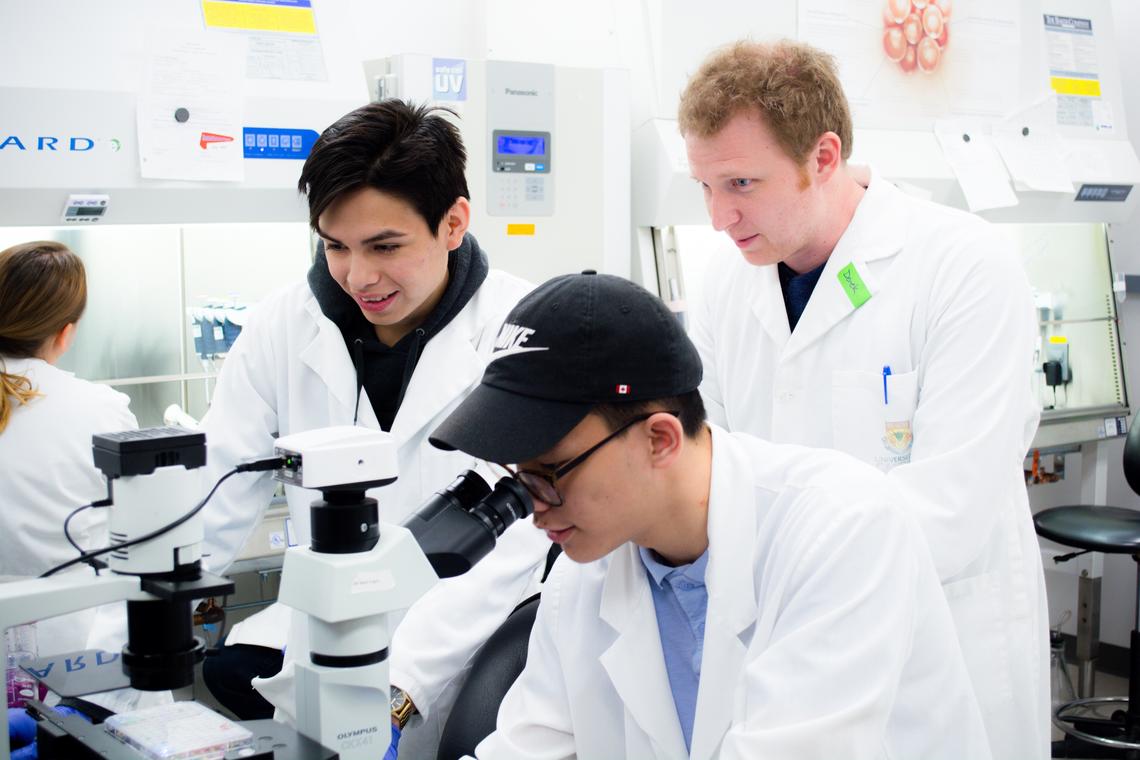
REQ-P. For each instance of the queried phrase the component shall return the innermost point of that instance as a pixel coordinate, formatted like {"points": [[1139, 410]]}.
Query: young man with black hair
{"points": [[391, 329], [725, 597]]}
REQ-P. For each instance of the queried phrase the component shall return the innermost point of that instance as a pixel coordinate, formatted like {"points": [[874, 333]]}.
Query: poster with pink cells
{"points": [[916, 33]]}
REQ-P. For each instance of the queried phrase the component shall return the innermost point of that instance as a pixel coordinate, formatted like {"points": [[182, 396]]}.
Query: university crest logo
{"points": [[898, 437]]}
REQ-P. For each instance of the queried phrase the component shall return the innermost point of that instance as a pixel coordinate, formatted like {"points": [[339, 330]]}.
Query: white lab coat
{"points": [[290, 371], [952, 315], [825, 635], [47, 471]]}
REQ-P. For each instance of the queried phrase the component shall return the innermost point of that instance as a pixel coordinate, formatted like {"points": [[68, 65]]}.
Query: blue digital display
{"points": [[1116, 193], [269, 142], [519, 145]]}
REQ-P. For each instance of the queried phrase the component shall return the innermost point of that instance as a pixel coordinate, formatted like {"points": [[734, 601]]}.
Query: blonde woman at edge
{"points": [[47, 418]]}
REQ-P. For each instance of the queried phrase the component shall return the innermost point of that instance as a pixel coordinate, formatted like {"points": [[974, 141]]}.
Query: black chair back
{"points": [[494, 669], [1132, 457]]}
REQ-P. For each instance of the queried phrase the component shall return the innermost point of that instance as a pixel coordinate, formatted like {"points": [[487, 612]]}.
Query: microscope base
{"points": [[344, 709]]}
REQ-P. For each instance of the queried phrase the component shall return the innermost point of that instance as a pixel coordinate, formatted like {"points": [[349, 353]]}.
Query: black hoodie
{"points": [[385, 371]]}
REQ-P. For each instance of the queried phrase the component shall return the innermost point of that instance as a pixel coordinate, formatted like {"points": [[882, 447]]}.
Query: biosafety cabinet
{"points": [[158, 143], [163, 143]]}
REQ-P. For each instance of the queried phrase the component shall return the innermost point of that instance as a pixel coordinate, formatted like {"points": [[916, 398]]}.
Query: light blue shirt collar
{"points": [[694, 572]]}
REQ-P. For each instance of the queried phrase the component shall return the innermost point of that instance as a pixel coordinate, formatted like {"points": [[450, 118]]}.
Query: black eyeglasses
{"points": [[544, 485]]}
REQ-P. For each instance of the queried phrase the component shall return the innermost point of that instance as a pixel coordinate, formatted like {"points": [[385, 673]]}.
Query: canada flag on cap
{"points": [[622, 390]]}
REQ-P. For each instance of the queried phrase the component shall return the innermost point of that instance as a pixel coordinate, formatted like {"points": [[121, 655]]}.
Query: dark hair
{"points": [[408, 151], [690, 408], [43, 288]]}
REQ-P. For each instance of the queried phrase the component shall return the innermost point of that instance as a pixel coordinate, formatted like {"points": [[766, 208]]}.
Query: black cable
{"points": [[1066, 557], [257, 465], [67, 524], [105, 502], [260, 465], [85, 556], [67, 533]]}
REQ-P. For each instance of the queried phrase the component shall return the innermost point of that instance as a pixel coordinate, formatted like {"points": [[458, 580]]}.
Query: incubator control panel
{"points": [[520, 112]]}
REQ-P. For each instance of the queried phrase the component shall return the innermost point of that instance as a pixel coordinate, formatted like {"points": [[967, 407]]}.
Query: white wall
{"points": [[444, 28], [660, 42]]}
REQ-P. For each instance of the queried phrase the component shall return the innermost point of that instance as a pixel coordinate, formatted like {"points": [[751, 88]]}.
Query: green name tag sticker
{"points": [[854, 286]]}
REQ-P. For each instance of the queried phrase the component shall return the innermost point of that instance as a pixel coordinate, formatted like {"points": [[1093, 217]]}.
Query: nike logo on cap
{"points": [[511, 340]]}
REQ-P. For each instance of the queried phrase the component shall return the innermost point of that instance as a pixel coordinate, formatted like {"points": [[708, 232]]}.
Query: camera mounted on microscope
{"points": [[150, 473]]}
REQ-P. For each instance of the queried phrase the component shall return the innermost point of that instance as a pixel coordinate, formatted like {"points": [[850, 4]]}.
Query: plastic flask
{"points": [[21, 643]]}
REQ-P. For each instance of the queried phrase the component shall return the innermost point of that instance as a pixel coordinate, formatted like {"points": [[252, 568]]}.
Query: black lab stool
{"points": [[1111, 530]]}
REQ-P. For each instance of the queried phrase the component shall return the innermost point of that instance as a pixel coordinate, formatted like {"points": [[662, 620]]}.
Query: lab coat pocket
{"points": [[871, 420], [975, 605]]}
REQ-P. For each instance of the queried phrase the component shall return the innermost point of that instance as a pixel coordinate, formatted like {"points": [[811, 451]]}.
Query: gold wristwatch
{"points": [[402, 707]]}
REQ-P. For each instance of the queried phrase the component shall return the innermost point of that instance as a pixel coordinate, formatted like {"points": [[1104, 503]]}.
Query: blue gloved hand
{"points": [[393, 748], [22, 730], [21, 727], [65, 710], [29, 752]]}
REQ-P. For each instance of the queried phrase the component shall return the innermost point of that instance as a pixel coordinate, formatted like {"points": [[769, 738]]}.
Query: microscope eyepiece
{"points": [[458, 526], [508, 502]]}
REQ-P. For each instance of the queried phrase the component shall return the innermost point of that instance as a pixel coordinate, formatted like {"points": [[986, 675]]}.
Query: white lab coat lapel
{"points": [[326, 355], [635, 663], [730, 581], [768, 305], [448, 366], [871, 236]]}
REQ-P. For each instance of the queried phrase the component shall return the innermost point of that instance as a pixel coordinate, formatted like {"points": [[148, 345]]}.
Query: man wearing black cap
{"points": [[727, 597]]}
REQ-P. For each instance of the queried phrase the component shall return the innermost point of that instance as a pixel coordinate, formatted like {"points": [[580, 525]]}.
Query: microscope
{"points": [[353, 575], [357, 572], [155, 567]]}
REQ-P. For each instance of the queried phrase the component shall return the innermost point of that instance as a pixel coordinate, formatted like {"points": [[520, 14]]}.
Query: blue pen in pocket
{"points": [[886, 374]]}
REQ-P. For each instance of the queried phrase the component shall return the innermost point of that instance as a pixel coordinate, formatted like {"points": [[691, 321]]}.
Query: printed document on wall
{"points": [[190, 113], [1074, 73], [282, 35], [904, 63], [1032, 149], [976, 163]]}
